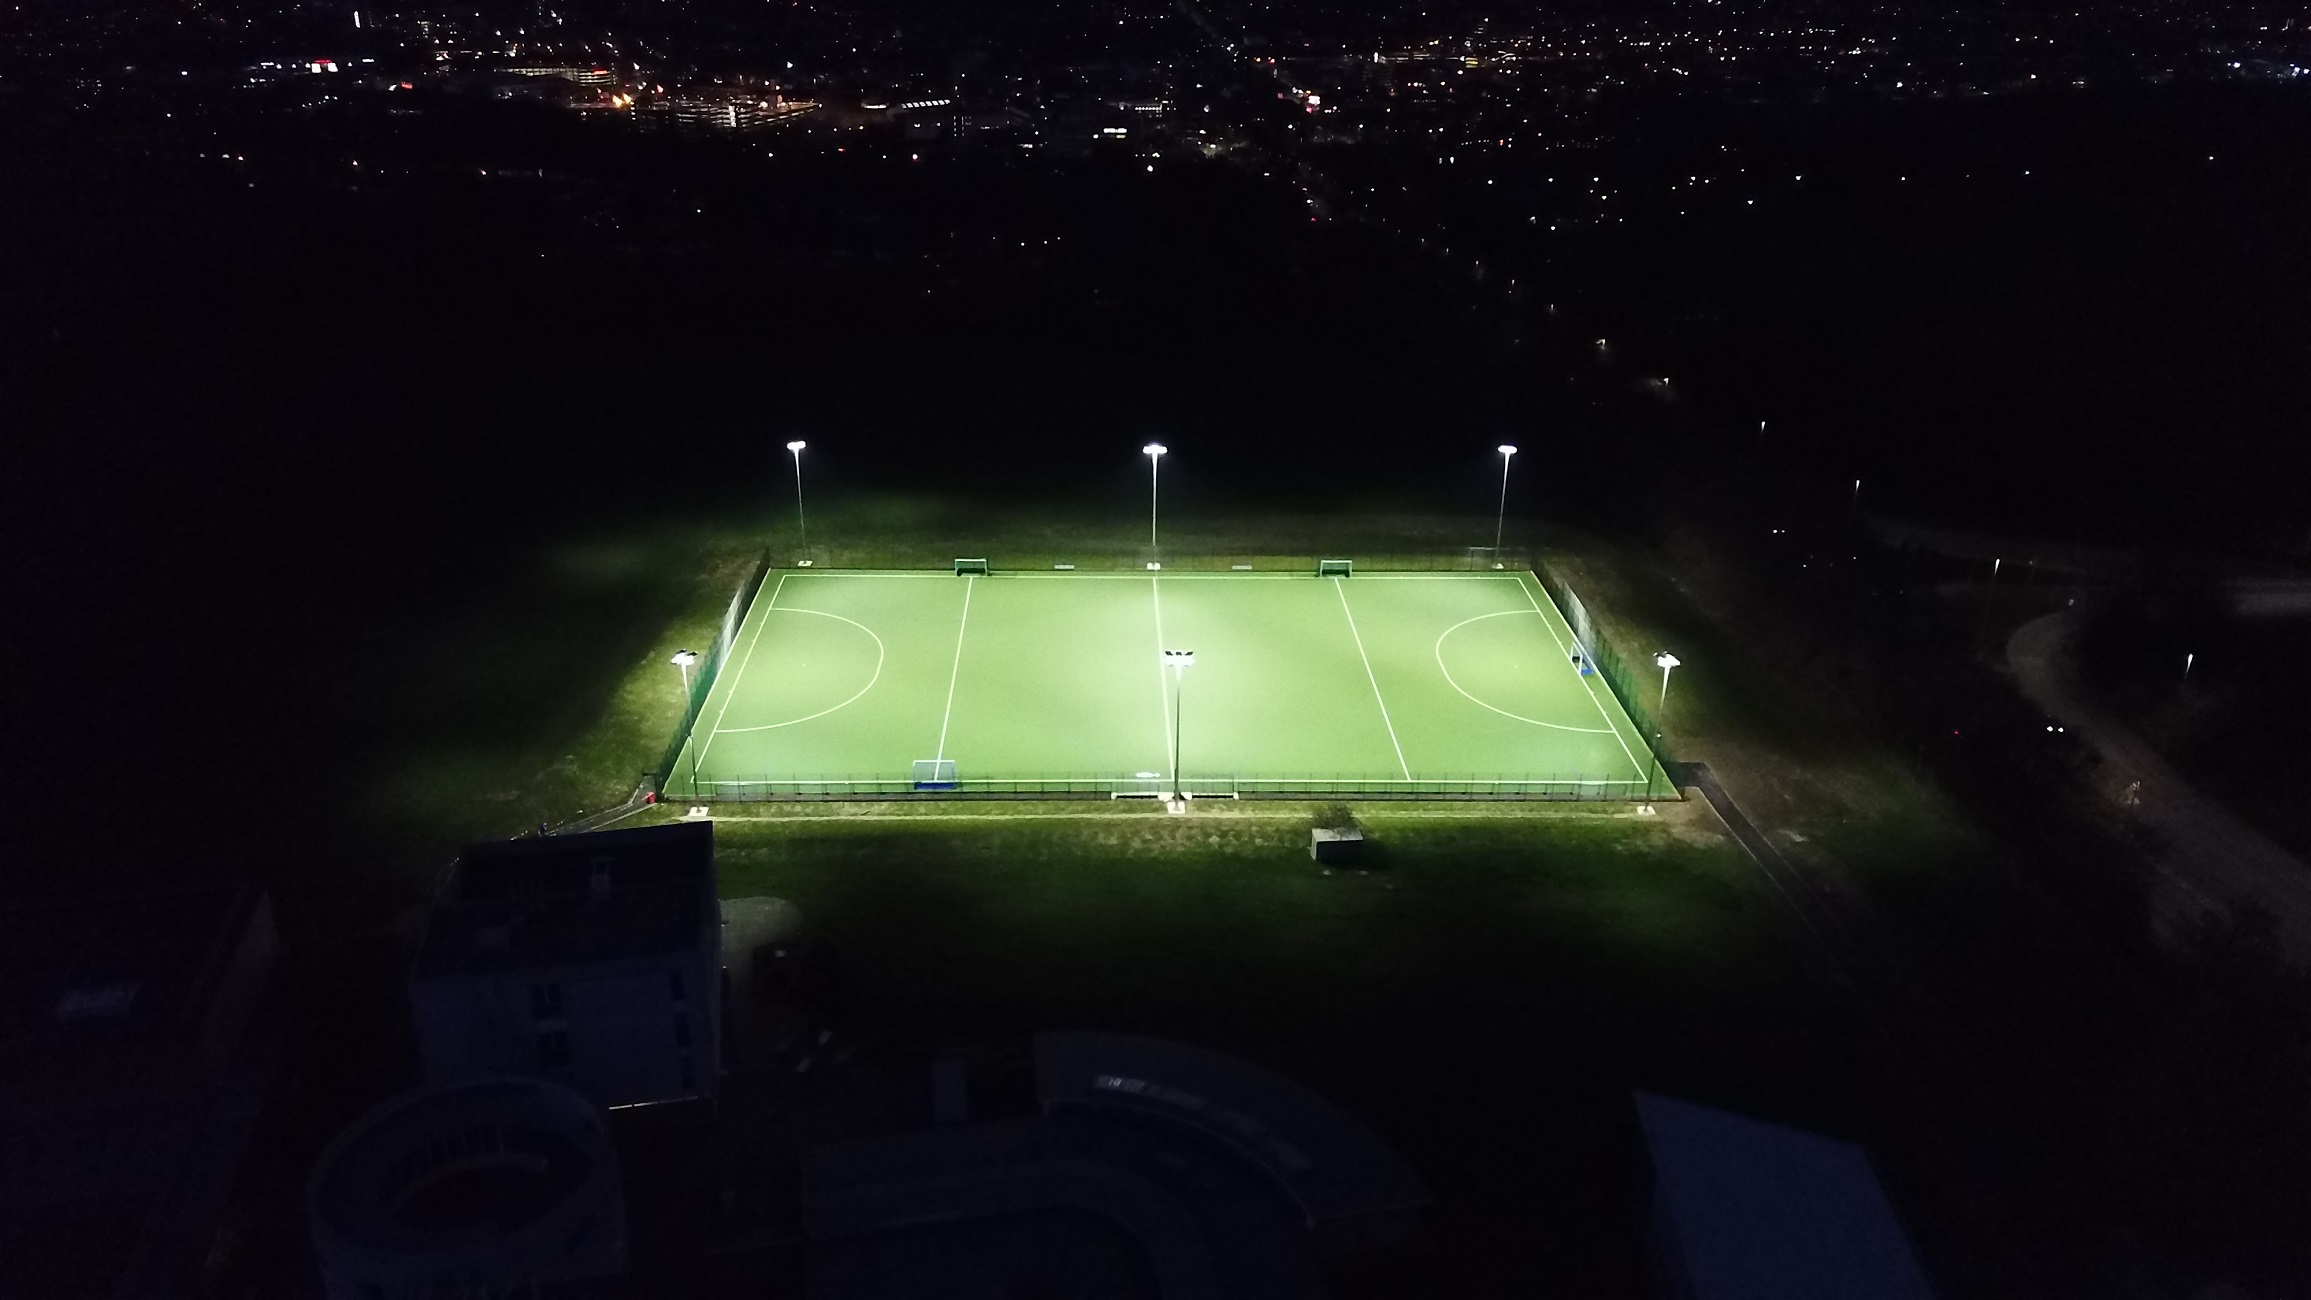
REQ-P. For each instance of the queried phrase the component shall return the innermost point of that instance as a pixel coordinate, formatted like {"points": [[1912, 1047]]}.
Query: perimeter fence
{"points": [[1626, 689], [708, 668], [1558, 788], [1599, 653], [1465, 559]]}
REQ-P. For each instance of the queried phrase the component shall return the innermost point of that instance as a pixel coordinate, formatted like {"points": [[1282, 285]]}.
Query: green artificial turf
{"points": [[1428, 683]]}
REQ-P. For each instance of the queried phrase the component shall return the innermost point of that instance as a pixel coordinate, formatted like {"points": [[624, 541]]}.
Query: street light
{"points": [[1154, 452], [1179, 661], [1665, 661], [1501, 520], [800, 521]]}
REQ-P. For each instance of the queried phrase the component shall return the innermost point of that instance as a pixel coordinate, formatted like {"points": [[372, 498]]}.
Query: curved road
{"points": [[2205, 860]]}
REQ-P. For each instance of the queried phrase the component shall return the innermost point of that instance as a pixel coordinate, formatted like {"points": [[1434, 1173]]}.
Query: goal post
{"points": [[977, 566], [934, 774], [1335, 568]]}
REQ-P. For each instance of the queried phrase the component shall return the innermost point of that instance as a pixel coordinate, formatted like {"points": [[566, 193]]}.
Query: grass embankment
{"points": [[1971, 913], [1487, 996], [545, 693]]}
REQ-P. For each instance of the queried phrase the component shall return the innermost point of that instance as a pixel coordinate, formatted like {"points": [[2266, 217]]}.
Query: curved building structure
{"points": [[499, 1187]]}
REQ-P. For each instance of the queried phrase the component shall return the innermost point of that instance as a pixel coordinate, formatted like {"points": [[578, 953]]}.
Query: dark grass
{"points": [[1487, 996]]}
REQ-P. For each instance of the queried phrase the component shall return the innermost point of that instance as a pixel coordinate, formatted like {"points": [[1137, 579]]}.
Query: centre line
{"points": [[1341, 587], [969, 581]]}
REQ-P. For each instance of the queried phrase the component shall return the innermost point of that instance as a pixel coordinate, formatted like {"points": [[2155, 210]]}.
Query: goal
{"points": [[963, 566], [1335, 568], [934, 774]]}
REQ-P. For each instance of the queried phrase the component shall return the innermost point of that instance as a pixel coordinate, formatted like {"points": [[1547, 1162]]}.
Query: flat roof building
{"points": [[1746, 1210], [591, 960], [498, 1188]]}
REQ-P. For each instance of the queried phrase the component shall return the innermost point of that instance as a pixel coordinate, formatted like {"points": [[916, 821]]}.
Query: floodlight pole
{"points": [[1501, 519], [1179, 661], [1179, 684], [801, 521], [1154, 452], [682, 660]]}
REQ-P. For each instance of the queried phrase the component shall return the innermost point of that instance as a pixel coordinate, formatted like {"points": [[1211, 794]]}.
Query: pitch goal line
{"points": [[1306, 783]]}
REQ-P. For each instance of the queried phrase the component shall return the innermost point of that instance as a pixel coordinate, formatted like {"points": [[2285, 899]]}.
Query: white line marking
{"points": [[794, 815], [1310, 783], [1553, 726], [1264, 575], [1163, 692], [1419, 780], [880, 655], [1342, 588], [969, 583], [732, 693], [1562, 648]]}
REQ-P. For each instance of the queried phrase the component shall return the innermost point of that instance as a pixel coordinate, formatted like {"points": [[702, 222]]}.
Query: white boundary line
{"points": [[732, 693], [1163, 693], [970, 581], [1262, 575], [1309, 783], [1341, 588], [881, 655], [1504, 613], [1562, 649]]}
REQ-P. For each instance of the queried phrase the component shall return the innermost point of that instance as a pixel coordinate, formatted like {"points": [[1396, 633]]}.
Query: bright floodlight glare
{"points": [[1507, 450], [1154, 449], [797, 445], [1666, 660], [685, 658]]}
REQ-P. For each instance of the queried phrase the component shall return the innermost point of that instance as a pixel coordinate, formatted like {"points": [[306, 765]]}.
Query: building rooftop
{"points": [[597, 897], [1764, 1212]]}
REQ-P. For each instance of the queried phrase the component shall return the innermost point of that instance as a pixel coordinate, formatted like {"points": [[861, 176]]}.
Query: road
{"points": [[2205, 862]]}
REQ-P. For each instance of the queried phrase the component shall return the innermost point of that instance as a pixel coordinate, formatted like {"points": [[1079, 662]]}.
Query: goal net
{"points": [[963, 566], [934, 774], [1335, 568]]}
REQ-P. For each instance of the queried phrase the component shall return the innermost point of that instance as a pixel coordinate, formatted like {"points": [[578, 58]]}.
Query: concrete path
{"points": [[2205, 861]]}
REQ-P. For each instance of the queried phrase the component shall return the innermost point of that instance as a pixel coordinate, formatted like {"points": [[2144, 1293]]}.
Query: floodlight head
{"points": [[797, 445], [1180, 659], [685, 658], [1154, 449], [1507, 450], [1666, 660]]}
